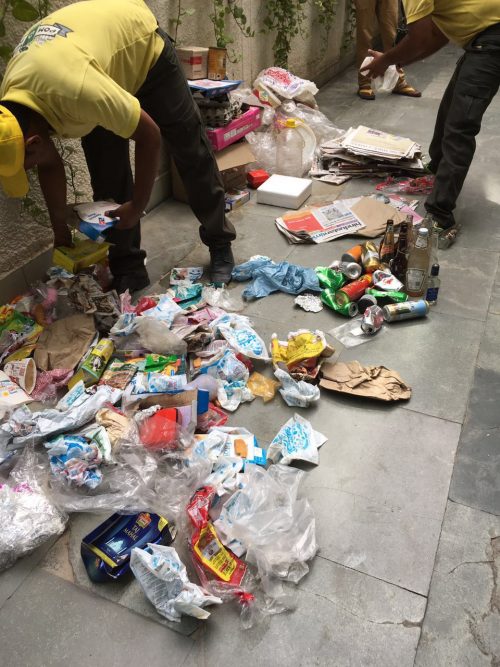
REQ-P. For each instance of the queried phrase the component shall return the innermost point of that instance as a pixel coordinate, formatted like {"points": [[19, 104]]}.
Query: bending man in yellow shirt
{"points": [[102, 70], [474, 25]]}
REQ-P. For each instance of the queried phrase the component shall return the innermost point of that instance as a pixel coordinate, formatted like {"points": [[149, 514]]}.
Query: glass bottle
{"points": [[418, 264], [433, 285], [386, 251], [400, 261]]}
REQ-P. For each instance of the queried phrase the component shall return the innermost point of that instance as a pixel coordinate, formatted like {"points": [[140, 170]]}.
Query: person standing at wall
{"points": [[372, 17]]}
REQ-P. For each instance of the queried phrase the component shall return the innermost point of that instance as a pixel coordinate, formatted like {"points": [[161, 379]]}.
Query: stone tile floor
{"points": [[407, 498]]}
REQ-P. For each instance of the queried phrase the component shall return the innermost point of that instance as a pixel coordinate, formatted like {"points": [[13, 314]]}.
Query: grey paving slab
{"points": [[51, 622], [489, 357], [495, 295], [380, 491], [476, 474], [64, 561], [462, 622], [343, 618]]}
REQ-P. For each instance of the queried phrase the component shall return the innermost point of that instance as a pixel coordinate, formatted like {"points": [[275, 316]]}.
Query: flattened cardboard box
{"points": [[231, 162]]}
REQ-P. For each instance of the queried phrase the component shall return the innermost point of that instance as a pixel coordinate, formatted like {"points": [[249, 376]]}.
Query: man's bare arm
{"points": [[52, 178]]}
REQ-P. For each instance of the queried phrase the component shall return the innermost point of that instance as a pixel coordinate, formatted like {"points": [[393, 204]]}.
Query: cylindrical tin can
{"points": [[350, 269], [370, 258], [330, 278], [353, 254], [217, 63], [373, 318], [349, 309], [353, 291], [391, 296], [366, 301], [408, 310]]}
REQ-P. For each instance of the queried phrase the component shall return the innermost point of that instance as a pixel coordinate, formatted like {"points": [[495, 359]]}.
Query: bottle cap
{"points": [[291, 122], [435, 270], [423, 231]]}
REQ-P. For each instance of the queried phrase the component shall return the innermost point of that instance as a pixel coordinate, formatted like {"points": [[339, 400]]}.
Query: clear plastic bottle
{"points": [[433, 285], [290, 150]]}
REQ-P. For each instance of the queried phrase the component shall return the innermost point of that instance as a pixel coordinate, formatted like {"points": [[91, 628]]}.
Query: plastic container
{"points": [[290, 150]]}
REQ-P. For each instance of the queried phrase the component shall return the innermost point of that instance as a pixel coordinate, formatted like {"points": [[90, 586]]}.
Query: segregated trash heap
{"points": [[130, 417]]}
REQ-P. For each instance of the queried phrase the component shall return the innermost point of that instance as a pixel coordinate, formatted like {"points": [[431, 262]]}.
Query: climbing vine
{"points": [[326, 15], [286, 19], [349, 25], [180, 14], [221, 10]]}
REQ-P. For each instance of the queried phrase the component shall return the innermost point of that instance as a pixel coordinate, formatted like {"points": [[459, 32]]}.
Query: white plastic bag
{"points": [[296, 393], [163, 578], [382, 83], [239, 333], [296, 441]]}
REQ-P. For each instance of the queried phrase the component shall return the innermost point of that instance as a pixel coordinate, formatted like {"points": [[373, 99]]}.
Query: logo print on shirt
{"points": [[41, 33]]}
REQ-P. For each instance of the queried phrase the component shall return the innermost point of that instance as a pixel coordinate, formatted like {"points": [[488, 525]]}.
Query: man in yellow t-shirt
{"points": [[103, 71], [475, 26]]}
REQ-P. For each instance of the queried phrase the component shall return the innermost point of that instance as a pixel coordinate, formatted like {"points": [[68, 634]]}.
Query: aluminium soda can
{"points": [[408, 310], [353, 291], [351, 270], [353, 254], [329, 278], [390, 296], [366, 301], [349, 309]]}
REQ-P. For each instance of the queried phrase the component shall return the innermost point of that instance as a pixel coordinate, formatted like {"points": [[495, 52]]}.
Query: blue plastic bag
{"points": [[268, 277]]}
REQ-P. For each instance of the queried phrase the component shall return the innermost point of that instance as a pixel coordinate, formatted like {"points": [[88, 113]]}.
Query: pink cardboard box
{"points": [[221, 137]]}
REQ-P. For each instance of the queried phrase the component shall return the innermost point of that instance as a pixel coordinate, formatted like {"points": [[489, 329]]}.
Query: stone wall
{"points": [[24, 237]]}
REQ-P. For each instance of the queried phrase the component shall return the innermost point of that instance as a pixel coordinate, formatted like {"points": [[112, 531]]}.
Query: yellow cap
{"points": [[12, 175], [292, 122]]}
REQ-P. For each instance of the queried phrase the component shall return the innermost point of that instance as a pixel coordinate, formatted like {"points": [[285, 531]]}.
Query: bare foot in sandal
{"points": [[403, 88], [366, 92]]}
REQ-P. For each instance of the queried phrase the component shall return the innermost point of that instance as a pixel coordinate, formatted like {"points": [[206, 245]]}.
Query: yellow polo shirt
{"points": [[81, 66], [459, 20]]}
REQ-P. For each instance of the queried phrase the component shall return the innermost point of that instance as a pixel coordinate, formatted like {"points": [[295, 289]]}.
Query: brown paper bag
{"points": [[367, 381], [64, 342]]}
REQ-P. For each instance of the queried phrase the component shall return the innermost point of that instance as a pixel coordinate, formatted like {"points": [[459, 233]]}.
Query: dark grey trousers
{"points": [[166, 97], [473, 85]]}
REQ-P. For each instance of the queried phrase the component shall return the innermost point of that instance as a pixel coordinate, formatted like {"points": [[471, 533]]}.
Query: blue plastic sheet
{"points": [[268, 277]]}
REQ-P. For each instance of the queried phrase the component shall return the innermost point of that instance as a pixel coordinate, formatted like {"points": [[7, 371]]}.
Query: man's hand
{"points": [[128, 213], [62, 236], [378, 65]]}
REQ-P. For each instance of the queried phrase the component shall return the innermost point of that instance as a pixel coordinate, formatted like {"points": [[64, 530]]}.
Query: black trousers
{"points": [[473, 85], [166, 97]]}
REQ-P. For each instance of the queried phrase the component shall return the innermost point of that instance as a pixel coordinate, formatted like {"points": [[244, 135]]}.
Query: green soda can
{"points": [[329, 278], [349, 309], [387, 297]]}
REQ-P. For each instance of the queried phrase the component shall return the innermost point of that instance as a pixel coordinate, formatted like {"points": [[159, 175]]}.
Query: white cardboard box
{"points": [[284, 191]]}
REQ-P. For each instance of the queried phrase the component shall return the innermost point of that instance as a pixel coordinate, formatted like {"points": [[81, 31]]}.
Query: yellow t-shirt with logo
{"points": [[459, 20], [81, 66]]}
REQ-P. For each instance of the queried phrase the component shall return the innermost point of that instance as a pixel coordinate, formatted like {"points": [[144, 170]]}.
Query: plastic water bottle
{"points": [[289, 150]]}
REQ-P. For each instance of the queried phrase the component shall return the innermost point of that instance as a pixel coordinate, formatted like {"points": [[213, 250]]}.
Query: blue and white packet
{"points": [[296, 441]]}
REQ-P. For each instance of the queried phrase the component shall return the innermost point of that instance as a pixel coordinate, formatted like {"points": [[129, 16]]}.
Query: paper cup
{"points": [[23, 373]]}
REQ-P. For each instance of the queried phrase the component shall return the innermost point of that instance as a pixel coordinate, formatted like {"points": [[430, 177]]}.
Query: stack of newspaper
{"points": [[363, 151]]}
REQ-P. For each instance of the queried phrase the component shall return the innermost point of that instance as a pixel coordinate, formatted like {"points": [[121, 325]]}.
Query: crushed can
{"points": [[349, 309], [383, 297], [370, 257], [351, 270], [408, 310], [353, 254], [353, 291], [330, 278], [372, 321]]}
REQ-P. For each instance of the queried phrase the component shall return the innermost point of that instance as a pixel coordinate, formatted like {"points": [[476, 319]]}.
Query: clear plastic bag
{"points": [[27, 515], [239, 333], [296, 441], [296, 393], [221, 297], [163, 578]]}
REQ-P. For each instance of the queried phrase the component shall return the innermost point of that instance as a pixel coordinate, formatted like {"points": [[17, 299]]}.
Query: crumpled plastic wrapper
{"points": [[163, 578], [262, 386], [296, 393], [25, 427], [309, 303], [27, 516], [296, 441], [367, 381], [268, 277], [48, 382]]}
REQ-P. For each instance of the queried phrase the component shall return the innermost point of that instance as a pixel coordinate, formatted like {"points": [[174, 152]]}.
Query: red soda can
{"points": [[353, 291]]}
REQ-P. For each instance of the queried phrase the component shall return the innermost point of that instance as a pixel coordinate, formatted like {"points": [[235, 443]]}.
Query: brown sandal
{"points": [[404, 88], [366, 92]]}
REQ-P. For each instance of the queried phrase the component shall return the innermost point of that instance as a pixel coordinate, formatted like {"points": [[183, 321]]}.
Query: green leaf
{"points": [[5, 52], [24, 11], [2, 28]]}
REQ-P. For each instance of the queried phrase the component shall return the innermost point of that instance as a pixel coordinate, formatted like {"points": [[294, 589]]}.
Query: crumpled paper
{"points": [[376, 382], [63, 343]]}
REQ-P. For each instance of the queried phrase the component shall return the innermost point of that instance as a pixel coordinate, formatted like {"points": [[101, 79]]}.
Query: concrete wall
{"points": [[24, 237]]}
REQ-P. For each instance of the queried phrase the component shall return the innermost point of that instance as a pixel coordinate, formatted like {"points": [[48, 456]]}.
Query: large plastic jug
{"points": [[290, 149]]}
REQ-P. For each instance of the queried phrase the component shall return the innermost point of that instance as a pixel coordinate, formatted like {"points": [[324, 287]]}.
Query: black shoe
{"points": [[133, 282], [221, 264]]}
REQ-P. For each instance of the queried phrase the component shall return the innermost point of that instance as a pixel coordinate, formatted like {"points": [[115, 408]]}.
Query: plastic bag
{"points": [[351, 334], [384, 83], [27, 516], [220, 297], [163, 578], [296, 441], [296, 393], [322, 127], [156, 336], [262, 386], [420, 185], [238, 332], [286, 85], [268, 277]]}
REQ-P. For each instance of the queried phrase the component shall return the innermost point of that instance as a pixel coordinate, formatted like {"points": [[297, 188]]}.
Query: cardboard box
{"points": [[285, 191], [236, 198], [83, 254], [221, 137], [231, 162], [194, 61]]}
